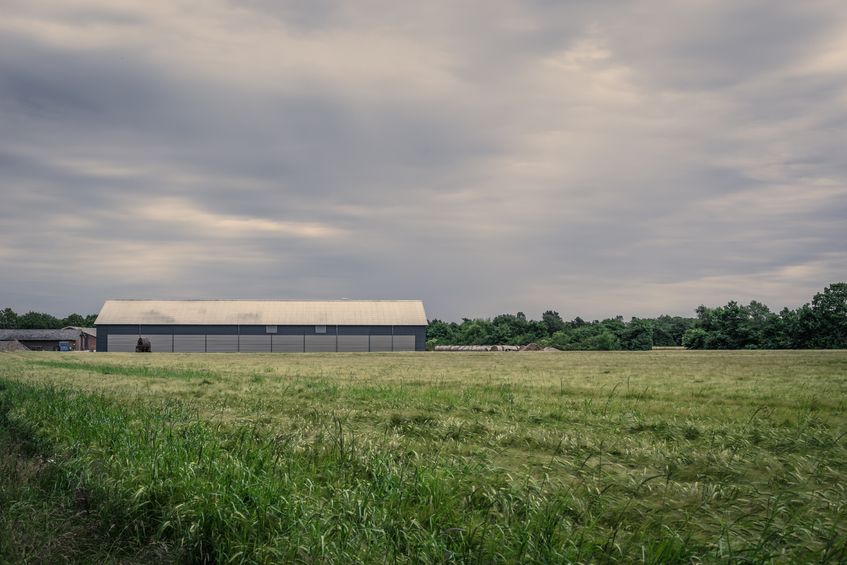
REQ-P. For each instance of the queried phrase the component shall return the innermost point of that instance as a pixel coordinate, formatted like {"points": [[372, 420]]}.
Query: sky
{"points": [[597, 158]]}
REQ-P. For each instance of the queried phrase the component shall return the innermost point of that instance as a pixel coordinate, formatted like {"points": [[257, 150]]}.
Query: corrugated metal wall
{"points": [[353, 343], [404, 343], [381, 343], [221, 343], [161, 343], [255, 344], [190, 343], [121, 343], [256, 339], [288, 343], [321, 343]]}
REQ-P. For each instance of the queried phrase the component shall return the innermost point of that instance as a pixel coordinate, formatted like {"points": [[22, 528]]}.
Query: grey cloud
{"points": [[298, 17], [714, 46], [315, 142], [590, 157]]}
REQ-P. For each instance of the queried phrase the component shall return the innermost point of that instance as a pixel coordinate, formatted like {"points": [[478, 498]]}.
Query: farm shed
{"points": [[230, 326], [44, 340], [87, 340]]}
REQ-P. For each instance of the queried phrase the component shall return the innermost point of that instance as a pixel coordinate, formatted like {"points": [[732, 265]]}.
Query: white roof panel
{"points": [[264, 312]]}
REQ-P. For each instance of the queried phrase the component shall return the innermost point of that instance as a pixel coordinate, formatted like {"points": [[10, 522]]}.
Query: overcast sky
{"points": [[595, 157]]}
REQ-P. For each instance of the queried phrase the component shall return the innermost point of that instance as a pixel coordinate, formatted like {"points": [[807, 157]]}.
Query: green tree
{"points": [[637, 335], [668, 330], [8, 319], [695, 338], [604, 341], [552, 321], [829, 309], [476, 332], [442, 333], [74, 320], [38, 320]]}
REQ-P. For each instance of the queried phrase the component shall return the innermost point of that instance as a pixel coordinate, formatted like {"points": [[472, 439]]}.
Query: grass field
{"points": [[657, 457]]}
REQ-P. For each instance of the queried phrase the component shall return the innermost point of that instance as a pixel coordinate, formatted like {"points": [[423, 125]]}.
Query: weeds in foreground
{"points": [[351, 473]]}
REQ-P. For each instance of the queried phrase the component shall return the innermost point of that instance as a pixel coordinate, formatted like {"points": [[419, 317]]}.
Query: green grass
{"points": [[666, 456]]}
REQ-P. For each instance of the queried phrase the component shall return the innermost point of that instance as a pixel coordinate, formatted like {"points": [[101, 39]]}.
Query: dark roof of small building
{"points": [[39, 335], [88, 331]]}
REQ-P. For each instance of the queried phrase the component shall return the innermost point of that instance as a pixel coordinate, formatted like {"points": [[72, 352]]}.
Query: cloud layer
{"points": [[591, 157]]}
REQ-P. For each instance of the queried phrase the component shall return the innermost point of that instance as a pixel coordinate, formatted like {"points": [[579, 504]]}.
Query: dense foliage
{"points": [[11, 320], [553, 331], [820, 324]]}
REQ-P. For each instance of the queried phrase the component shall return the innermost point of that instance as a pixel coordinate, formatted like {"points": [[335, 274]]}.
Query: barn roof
{"points": [[264, 312], [87, 331], [39, 335]]}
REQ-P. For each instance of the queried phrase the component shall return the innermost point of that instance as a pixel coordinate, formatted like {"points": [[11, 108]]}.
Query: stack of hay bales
{"points": [[527, 347], [476, 348]]}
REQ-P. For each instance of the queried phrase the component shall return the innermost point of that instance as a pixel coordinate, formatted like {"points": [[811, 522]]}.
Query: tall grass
{"points": [[213, 493], [295, 465]]}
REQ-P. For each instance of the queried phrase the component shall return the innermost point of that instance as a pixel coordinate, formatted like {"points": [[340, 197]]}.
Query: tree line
{"points": [[822, 323], [10, 320]]}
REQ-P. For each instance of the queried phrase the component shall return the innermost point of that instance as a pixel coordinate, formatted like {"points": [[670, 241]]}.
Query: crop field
{"points": [[653, 457]]}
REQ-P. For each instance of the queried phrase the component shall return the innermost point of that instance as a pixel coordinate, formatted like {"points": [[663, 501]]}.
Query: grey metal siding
{"points": [[156, 330], [253, 330], [103, 339], [310, 330], [288, 343], [404, 343], [160, 343], [354, 330], [418, 335], [189, 330], [419, 332], [250, 338], [254, 343], [190, 343], [354, 343], [381, 343], [122, 342], [222, 330], [124, 329], [292, 330], [320, 343], [217, 343]]}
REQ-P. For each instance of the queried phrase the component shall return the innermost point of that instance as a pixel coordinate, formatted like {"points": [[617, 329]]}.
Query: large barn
{"points": [[253, 326]]}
